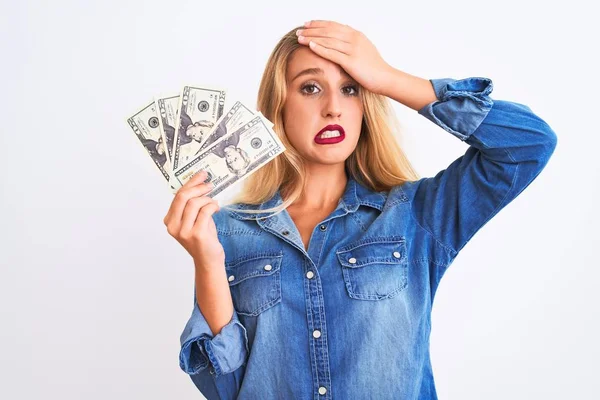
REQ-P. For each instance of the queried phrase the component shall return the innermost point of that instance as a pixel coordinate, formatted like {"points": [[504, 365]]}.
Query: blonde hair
{"points": [[377, 163]]}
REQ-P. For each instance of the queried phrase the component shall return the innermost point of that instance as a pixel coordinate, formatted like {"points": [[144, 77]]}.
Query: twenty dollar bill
{"points": [[235, 156], [199, 109]]}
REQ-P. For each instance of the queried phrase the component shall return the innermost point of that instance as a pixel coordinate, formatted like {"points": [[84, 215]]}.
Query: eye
{"points": [[310, 87], [350, 90]]}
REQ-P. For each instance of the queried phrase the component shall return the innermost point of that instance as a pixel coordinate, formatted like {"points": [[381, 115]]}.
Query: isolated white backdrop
{"points": [[95, 293]]}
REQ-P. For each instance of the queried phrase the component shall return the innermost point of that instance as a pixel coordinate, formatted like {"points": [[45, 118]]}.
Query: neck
{"points": [[325, 187]]}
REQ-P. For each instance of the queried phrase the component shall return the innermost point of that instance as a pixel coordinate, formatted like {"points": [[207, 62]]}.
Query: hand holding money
{"points": [[197, 136], [189, 222]]}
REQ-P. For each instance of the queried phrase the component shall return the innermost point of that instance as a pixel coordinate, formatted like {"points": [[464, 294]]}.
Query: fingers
{"points": [[325, 33], [332, 44], [327, 24], [204, 216], [197, 178], [328, 39], [180, 203], [191, 212], [330, 54], [193, 188]]}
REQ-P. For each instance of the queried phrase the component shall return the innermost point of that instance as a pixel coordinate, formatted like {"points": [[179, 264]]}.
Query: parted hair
{"points": [[377, 162]]}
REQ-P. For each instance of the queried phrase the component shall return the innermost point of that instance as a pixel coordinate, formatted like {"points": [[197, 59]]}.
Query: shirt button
{"points": [[316, 333], [396, 254], [323, 227], [268, 267], [352, 260], [322, 390], [310, 274], [285, 233], [231, 278]]}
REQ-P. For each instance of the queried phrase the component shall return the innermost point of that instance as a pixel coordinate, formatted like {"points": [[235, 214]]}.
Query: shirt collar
{"points": [[354, 196]]}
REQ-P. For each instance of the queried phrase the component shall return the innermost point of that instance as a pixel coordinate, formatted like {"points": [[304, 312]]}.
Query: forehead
{"points": [[304, 58]]}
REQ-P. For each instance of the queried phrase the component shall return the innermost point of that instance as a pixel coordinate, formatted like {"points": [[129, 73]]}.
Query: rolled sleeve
{"points": [[509, 145], [467, 98], [224, 352]]}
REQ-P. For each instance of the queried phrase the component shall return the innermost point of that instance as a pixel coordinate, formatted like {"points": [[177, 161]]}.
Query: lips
{"points": [[330, 140]]}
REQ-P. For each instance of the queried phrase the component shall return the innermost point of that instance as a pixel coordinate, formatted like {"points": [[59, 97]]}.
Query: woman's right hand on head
{"points": [[189, 220]]}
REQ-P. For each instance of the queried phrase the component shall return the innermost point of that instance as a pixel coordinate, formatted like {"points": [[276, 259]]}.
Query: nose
{"points": [[332, 106]]}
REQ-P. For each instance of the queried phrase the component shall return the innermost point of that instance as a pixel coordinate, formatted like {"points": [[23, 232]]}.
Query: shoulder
{"points": [[237, 230], [226, 219], [242, 236], [402, 194]]}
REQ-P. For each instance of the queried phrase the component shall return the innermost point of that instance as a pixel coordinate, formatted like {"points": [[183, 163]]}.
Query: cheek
{"points": [[357, 114], [299, 116], [356, 107], [292, 120]]}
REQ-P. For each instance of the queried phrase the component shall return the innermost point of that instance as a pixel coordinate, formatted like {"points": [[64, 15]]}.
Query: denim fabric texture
{"points": [[350, 317]]}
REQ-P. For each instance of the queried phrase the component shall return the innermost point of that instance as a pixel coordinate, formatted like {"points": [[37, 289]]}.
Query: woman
{"points": [[319, 283]]}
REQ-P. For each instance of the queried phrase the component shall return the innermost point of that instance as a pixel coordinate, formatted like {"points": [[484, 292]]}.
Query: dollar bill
{"points": [[145, 124], [199, 109], [235, 156], [237, 116], [166, 107]]}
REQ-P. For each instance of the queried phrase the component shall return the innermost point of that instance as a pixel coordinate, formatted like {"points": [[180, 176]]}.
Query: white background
{"points": [[95, 293]]}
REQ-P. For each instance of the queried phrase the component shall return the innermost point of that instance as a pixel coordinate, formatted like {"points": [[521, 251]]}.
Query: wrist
{"points": [[204, 267], [412, 91], [392, 78]]}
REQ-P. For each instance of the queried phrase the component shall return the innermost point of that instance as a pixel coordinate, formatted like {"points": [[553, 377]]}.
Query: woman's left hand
{"points": [[349, 48]]}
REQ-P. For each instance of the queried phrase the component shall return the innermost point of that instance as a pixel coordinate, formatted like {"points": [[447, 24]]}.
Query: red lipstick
{"points": [[331, 140]]}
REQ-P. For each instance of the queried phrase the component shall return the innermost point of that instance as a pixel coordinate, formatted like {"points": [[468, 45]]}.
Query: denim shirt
{"points": [[350, 317]]}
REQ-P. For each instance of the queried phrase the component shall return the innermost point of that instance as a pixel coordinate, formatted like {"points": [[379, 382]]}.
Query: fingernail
{"points": [[307, 23], [300, 37], [299, 32]]}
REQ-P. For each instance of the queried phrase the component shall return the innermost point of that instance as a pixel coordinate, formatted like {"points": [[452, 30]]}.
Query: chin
{"points": [[330, 159]]}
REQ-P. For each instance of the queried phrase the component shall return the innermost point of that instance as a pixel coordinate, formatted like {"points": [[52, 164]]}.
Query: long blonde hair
{"points": [[378, 162]]}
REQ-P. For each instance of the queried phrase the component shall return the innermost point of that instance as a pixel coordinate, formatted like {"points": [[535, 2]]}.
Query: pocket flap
{"points": [[375, 250], [252, 266]]}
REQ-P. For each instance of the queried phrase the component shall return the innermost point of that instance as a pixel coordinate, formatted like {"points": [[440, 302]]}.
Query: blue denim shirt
{"points": [[350, 318]]}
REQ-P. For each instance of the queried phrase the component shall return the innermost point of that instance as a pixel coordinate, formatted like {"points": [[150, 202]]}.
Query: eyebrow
{"points": [[315, 71]]}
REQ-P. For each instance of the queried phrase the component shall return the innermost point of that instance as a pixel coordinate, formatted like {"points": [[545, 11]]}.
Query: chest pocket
{"points": [[255, 282], [374, 268]]}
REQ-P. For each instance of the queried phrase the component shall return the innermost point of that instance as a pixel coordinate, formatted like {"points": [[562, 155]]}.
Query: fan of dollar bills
{"points": [[188, 133]]}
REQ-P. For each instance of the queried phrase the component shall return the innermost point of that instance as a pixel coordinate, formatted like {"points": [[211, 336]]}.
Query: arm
{"points": [[410, 90], [509, 146], [213, 296], [215, 362]]}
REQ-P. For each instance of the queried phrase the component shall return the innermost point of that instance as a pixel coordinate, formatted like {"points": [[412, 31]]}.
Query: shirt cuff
{"points": [[461, 105], [224, 352]]}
